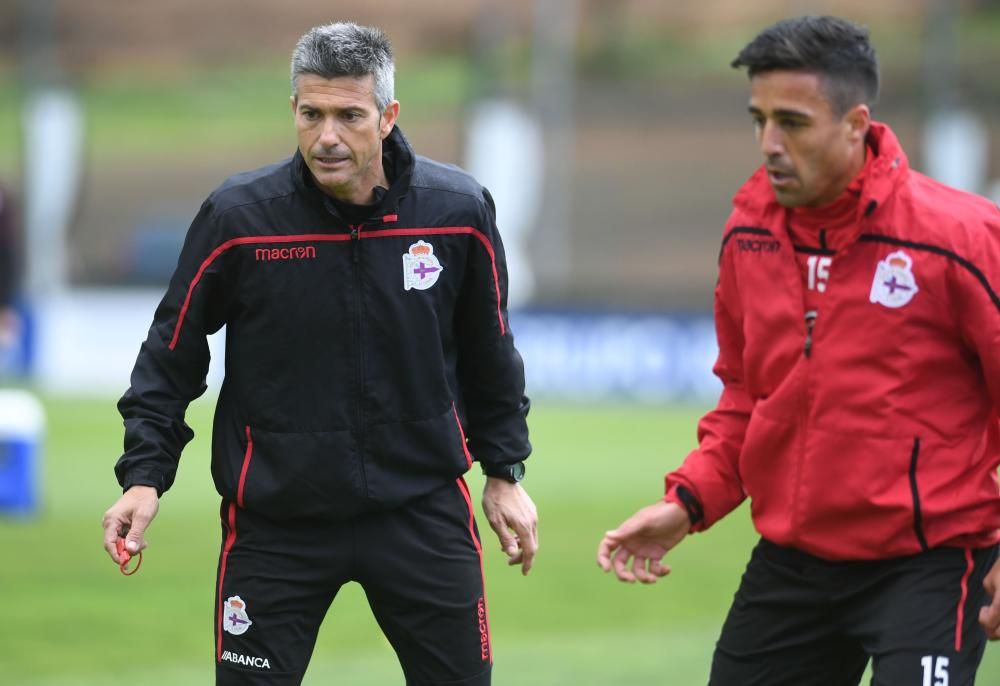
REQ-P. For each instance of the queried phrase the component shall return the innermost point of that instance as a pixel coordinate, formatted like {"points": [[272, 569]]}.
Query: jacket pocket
{"points": [[247, 456], [836, 494], [918, 523], [406, 459], [857, 497], [287, 475]]}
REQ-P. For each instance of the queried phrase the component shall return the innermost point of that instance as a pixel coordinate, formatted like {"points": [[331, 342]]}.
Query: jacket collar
{"points": [[888, 169], [398, 159]]}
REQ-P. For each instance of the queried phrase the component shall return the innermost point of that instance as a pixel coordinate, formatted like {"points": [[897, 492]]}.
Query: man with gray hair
{"points": [[369, 362]]}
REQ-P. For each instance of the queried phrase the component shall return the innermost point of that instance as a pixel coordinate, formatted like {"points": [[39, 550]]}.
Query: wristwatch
{"points": [[511, 472]]}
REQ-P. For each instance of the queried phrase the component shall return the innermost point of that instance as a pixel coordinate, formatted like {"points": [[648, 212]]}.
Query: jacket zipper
{"points": [[811, 316], [810, 319], [356, 257], [807, 346]]}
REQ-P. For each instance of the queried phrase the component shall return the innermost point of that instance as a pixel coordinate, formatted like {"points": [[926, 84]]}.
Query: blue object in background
{"points": [[22, 424]]}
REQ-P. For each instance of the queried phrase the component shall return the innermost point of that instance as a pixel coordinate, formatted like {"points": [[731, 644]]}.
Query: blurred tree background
{"points": [[644, 123], [645, 138]]}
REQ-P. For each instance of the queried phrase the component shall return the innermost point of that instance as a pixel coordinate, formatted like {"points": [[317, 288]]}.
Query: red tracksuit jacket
{"points": [[872, 431]]}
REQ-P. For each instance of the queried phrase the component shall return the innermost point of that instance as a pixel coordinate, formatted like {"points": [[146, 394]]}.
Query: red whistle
{"points": [[125, 556]]}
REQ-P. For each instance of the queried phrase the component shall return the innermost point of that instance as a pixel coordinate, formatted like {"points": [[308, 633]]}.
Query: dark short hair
{"points": [[836, 50]]}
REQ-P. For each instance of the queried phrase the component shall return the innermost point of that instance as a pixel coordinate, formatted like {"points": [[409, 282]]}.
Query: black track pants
{"points": [[420, 566], [798, 620]]}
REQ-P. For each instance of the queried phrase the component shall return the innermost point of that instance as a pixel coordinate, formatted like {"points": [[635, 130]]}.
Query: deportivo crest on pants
{"points": [[235, 619], [894, 285], [420, 268]]}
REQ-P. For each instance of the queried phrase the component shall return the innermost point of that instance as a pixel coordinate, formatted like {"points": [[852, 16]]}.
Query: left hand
{"points": [[508, 508], [989, 616]]}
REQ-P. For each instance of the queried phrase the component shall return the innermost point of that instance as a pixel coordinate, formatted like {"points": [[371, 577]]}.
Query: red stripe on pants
{"points": [[230, 541]]}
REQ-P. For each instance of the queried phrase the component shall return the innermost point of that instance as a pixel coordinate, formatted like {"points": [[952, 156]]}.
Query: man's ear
{"points": [[389, 116], [859, 120]]}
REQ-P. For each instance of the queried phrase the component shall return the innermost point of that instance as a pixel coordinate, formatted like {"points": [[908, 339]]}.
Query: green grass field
{"points": [[69, 617]]}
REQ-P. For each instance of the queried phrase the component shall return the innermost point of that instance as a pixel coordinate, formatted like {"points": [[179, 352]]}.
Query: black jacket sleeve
{"points": [[173, 362], [490, 370]]}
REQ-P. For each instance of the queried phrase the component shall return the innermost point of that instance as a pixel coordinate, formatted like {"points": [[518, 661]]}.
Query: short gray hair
{"points": [[346, 49]]}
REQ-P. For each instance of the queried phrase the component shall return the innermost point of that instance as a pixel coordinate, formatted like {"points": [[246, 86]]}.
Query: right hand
{"points": [[645, 538], [508, 508], [129, 517]]}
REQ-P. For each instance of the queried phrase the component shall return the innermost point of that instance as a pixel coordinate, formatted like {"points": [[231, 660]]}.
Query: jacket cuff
{"points": [[145, 478], [681, 495]]}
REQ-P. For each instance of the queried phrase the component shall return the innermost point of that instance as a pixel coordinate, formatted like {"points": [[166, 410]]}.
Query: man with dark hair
{"points": [[858, 323], [369, 361]]}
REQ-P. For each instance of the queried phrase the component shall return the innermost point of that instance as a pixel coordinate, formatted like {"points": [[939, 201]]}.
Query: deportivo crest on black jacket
{"points": [[359, 358]]}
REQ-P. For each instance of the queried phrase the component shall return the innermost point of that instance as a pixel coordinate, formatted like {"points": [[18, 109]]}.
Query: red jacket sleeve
{"points": [[710, 471], [975, 295]]}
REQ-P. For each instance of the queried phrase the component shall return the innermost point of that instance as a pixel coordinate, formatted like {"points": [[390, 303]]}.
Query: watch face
{"points": [[517, 471]]}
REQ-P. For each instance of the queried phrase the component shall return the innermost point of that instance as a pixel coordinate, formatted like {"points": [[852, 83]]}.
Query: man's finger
{"points": [[527, 560], [641, 573], [620, 564], [529, 546], [638, 567], [508, 544], [111, 528], [989, 618], [659, 569], [605, 550], [988, 623]]}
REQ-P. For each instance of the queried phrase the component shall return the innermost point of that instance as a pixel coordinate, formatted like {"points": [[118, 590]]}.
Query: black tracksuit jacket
{"points": [[344, 391]]}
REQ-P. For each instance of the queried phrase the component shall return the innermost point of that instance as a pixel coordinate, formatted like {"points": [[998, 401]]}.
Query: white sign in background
{"points": [[87, 342]]}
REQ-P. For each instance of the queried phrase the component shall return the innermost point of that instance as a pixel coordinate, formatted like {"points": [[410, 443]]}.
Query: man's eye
{"points": [[311, 115]]}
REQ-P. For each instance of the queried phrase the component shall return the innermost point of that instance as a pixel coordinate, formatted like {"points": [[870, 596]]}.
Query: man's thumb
{"points": [[133, 541]]}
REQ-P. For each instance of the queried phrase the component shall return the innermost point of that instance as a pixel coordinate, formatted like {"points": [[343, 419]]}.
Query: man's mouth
{"points": [[779, 177], [327, 161]]}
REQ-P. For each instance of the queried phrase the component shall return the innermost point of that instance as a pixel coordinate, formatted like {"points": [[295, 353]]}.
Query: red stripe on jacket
{"points": [[243, 471], [301, 238]]}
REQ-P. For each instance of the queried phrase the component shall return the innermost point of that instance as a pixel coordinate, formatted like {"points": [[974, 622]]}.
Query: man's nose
{"points": [[771, 140], [329, 135]]}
